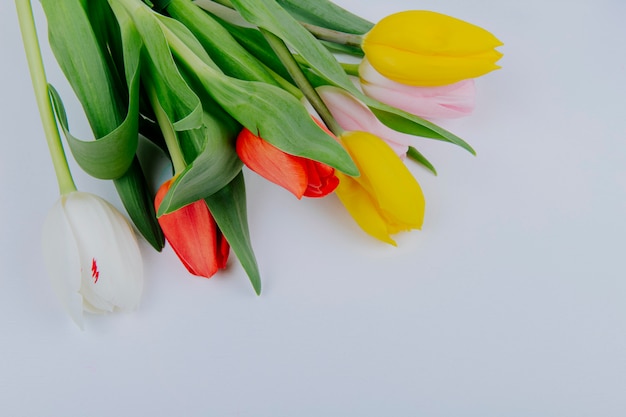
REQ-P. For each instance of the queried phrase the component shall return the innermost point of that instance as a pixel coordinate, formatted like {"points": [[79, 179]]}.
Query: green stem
{"points": [[350, 69], [301, 81], [286, 85], [334, 36], [169, 134], [225, 3], [40, 86]]}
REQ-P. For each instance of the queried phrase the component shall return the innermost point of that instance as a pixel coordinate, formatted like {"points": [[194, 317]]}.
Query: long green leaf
{"points": [[266, 110], [397, 119], [85, 59], [326, 14], [212, 167], [229, 55], [78, 53], [269, 15], [184, 108], [228, 207], [110, 156]]}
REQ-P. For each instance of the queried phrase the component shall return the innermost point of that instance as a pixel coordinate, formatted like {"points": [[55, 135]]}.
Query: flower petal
{"points": [[110, 260], [425, 48], [271, 163], [194, 236], [398, 195], [441, 102], [363, 208], [60, 254], [353, 115]]}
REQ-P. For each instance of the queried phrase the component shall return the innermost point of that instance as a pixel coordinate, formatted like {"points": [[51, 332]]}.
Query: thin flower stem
{"points": [[225, 3], [169, 134], [40, 86], [350, 69], [286, 85], [301, 81], [334, 36]]}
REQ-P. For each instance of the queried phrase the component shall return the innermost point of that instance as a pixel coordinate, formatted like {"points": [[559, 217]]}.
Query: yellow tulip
{"points": [[424, 48], [385, 199]]}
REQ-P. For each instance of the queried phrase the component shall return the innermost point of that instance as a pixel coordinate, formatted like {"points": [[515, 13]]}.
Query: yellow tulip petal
{"points": [[388, 181], [425, 48], [362, 208], [430, 32], [409, 68]]}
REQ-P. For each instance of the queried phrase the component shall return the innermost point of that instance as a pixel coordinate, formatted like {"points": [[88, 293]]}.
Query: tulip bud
{"points": [[425, 48], [194, 235], [441, 102], [92, 256], [385, 199], [354, 115], [300, 176]]}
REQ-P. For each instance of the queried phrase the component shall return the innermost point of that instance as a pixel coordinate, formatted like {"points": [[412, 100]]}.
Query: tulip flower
{"points": [[92, 256], [425, 48], [385, 199], [300, 176], [354, 115], [441, 102], [194, 236]]}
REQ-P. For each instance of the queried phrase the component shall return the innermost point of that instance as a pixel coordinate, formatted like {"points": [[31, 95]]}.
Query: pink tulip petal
{"points": [[441, 102]]}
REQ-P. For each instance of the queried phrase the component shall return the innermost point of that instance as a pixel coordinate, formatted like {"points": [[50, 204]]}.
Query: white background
{"points": [[510, 302]]}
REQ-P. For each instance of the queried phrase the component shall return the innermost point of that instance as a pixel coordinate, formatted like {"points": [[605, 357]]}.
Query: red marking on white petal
{"points": [[94, 270]]}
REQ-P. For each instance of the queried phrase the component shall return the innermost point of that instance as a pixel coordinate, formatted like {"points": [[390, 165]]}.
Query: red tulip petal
{"points": [[271, 163], [193, 235]]}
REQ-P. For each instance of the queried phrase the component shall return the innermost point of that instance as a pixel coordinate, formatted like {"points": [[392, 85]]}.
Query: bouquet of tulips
{"points": [[302, 92]]}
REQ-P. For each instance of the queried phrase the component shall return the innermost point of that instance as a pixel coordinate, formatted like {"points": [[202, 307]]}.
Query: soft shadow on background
{"points": [[510, 302]]}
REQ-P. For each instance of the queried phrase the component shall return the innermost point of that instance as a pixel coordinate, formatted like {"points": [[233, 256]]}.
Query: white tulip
{"points": [[92, 256]]}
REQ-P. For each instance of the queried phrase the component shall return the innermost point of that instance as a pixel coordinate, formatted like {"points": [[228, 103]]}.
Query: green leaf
{"points": [[110, 156], [138, 202], [255, 43], [89, 65], [417, 156], [280, 119], [180, 103], [78, 53], [342, 49], [270, 16], [413, 125], [266, 110], [326, 14], [228, 207], [212, 168], [267, 14], [227, 53], [397, 119]]}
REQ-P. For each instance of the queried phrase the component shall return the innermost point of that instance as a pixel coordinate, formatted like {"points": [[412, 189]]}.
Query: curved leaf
{"points": [[211, 169], [227, 53], [327, 14], [228, 207], [110, 156], [178, 100], [267, 14]]}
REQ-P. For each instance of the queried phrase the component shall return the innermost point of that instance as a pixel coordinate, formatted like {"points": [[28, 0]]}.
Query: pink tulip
{"points": [[441, 102], [354, 115]]}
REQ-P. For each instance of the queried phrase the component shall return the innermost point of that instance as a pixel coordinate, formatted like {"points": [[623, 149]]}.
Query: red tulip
{"points": [[194, 236], [300, 176]]}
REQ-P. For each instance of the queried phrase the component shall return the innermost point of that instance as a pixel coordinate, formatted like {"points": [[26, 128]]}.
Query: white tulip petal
{"points": [[112, 270], [92, 256], [60, 254]]}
